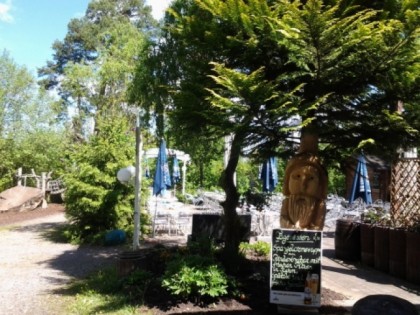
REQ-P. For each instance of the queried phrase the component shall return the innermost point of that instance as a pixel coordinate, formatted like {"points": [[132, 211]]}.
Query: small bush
{"points": [[203, 246], [95, 201], [138, 283], [258, 248], [195, 277]]}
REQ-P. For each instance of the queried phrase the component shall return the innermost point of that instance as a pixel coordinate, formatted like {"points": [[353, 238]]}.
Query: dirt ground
{"points": [[49, 266], [34, 269], [12, 217]]}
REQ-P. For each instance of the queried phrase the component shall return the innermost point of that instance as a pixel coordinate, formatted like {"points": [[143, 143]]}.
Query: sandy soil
{"points": [[13, 217], [33, 269]]}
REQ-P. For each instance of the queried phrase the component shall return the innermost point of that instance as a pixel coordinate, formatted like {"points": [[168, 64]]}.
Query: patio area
{"points": [[172, 217]]}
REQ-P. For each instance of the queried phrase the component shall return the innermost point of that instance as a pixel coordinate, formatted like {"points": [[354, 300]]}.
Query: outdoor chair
{"points": [[162, 223], [355, 210], [181, 223], [256, 223]]}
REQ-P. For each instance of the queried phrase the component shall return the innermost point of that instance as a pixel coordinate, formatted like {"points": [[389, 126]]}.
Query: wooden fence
{"points": [[405, 192]]}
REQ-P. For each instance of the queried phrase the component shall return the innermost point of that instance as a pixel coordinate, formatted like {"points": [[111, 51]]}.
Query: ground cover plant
{"points": [[175, 280]]}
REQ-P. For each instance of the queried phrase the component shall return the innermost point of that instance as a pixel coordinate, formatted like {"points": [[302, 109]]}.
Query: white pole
{"points": [[184, 173], [137, 183], [43, 189], [154, 218], [19, 176]]}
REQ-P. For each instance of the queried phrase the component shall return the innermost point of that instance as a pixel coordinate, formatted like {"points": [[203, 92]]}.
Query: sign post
{"points": [[295, 273]]}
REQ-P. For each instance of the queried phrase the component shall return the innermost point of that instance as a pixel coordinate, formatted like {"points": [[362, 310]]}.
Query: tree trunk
{"points": [[227, 181], [309, 140]]}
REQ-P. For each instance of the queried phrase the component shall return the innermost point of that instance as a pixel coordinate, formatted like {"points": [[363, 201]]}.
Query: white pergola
{"points": [[180, 155]]}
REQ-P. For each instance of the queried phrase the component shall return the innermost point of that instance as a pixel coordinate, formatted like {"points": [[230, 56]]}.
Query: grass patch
{"points": [[56, 234], [259, 248], [104, 293], [7, 228]]}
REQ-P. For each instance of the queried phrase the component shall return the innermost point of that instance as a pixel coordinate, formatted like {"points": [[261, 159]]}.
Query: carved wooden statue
{"points": [[305, 188]]}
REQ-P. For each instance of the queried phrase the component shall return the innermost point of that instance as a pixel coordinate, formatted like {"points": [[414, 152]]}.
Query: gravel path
{"points": [[33, 268]]}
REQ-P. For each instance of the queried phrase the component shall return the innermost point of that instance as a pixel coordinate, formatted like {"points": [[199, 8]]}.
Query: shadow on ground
{"points": [[78, 262], [75, 261]]}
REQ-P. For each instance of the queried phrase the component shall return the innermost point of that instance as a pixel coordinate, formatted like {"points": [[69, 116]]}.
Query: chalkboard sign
{"points": [[295, 275]]}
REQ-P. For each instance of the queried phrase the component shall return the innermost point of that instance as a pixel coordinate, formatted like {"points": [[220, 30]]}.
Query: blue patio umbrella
{"points": [[269, 174], [361, 185], [176, 174], [162, 179]]}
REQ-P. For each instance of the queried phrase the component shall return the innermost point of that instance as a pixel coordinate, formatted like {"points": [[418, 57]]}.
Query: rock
{"points": [[20, 198]]}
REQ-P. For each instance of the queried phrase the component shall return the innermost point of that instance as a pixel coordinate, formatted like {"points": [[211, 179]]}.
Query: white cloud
{"points": [[5, 8], [158, 7]]}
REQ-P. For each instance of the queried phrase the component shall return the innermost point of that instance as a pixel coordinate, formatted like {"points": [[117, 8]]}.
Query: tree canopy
{"points": [[94, 64], [262, 70], [336, 64], [29, 135]]}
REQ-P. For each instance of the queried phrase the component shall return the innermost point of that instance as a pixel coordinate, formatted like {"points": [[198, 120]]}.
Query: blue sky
{"points": [[28, 28]]}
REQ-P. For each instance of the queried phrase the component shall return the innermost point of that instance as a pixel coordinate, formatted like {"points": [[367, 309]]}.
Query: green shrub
{"points": [[95, 201], [195, 277], [336, 181], [181, 197], [259, 248], [203, 246], [137, 283]]}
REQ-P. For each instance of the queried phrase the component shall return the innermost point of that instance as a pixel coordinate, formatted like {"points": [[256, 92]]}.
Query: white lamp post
{"points": [[125, 175]]}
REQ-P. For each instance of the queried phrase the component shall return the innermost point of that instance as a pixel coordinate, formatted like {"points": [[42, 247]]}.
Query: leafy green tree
{"points": [[30, 137], [93, 65], [336, 181], [353, 60], [248, 68], [198, 43], [95, 201], [16, 90], [77, 82], [207, 162], [91, 70]]}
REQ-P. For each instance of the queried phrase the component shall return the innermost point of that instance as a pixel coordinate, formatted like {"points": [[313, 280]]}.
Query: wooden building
{"points": [[379, 176]]}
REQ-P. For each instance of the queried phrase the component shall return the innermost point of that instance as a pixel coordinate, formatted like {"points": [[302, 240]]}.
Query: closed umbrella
{"points": [[162, 179], [269, 175], [361, 184]]}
